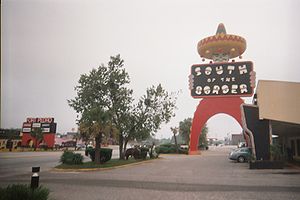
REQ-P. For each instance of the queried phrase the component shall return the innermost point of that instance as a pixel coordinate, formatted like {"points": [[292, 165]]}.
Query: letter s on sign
{"points": [[198, 71]]}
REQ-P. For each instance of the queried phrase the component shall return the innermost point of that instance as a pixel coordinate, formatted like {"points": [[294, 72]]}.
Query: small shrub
{"points": [[105, 154], [88, 150], [23, 192], [153, 152], [140, 153], [67, 157], [131, 152], [183, 151], [144, 152], [275, 152], [144, 149], [71, 158], [170, 148], [137, 152], [77, 159]]}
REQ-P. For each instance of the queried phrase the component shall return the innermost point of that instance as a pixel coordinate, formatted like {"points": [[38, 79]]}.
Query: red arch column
{"points": [[209, 107]]}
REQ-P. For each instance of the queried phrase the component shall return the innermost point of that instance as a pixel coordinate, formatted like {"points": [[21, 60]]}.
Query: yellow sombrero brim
{"points": [[231, 45]]}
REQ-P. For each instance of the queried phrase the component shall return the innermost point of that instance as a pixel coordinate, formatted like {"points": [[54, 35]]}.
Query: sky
{"points": [[47, 44]]}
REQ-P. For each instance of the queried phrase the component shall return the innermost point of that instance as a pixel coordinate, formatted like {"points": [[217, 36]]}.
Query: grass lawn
{"points": [[90, 165]]}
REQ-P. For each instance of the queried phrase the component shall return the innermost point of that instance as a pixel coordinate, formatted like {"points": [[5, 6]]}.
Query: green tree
{"points": [[102, 99], [97, 123], [203, 137], [157, 106], [119, 98], [85, 133], [185, 129], [104, 90], [37, 134]]}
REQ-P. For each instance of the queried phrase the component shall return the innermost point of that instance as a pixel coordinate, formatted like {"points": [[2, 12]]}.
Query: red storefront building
{"points": [[48, 127]]}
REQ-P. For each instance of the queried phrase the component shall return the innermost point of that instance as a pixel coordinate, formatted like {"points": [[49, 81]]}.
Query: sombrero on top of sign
{"points": [[221, 44]]}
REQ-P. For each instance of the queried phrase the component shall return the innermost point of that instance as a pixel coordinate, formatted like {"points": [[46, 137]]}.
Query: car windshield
{"points": [[241, 150]]}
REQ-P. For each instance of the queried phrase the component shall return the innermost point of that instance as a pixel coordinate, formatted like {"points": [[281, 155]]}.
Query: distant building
{"points": [[212, 141], [236, 139], [10, 138], [70, 135]]}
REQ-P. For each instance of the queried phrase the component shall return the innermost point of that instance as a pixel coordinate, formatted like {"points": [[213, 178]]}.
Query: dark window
{"points": [[293, 147], [298, 147]]}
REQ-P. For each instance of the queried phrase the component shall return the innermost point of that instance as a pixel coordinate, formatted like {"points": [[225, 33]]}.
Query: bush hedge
{"points": [[105, 154], [137, 153], [170, 148], [141, 153], [23, 192], [71, 158]]}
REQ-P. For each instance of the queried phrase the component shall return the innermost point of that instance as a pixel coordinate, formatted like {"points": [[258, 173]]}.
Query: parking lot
{"points": [[207, 176]]}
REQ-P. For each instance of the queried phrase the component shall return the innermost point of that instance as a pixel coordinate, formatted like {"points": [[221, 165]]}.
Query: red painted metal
{"points": [[209, 107]]}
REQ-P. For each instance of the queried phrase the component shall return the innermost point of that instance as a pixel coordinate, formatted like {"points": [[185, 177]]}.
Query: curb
{"points": [[102, 169], [173, 154], [293, 166]]}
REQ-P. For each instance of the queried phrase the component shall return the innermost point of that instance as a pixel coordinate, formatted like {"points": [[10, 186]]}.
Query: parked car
{"points": [[241, 154], [241, 144], [69, 143], [80, 147]]}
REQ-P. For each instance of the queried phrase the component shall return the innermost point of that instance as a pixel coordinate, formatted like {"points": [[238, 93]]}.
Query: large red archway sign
{"points": [[209, 107], [219, 83]]}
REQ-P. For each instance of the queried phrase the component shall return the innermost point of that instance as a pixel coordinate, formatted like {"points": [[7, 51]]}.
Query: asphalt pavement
{"points": [[21, 163], [207, 176]]}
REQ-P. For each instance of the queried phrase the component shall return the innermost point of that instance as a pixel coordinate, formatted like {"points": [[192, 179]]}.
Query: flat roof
{"points": [[279, 101]]}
